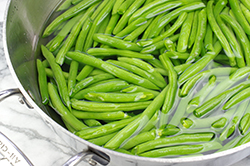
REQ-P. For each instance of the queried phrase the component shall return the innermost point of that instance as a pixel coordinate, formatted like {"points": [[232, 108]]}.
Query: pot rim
{"points": [[102, 149]]}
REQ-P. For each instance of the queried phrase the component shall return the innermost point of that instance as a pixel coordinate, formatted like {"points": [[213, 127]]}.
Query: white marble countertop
{"points": [[25, 127]]}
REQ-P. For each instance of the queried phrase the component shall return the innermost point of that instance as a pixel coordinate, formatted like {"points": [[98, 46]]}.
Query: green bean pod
{"points": [[201, 31], [88, 81], [182, 150], [219, 34], [237, 98], [108, 86], [137, 124], [119, 52], [108, 107], [193, 29], [235, 7], [209, 105], [62, 110], [68, 14], [119, 97], [171, 141], [134, 88], [100, 115], [59, 77], [241, 35], [185, 33], [109, 128], [42, 81]]}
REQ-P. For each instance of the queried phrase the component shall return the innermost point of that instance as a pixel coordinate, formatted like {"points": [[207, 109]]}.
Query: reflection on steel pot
{"points": [[24, 23]]}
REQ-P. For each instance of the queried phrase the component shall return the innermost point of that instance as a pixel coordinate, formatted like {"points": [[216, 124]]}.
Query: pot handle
{"points": [[92, 158], [10, 92]]}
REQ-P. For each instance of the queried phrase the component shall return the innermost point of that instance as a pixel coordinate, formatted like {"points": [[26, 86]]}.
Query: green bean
{"points": [[115, 42], [219, 6], [50, 74], [146, 8], [124, 6], [137, 124], [58, 74], [201, 31], [129, 28], [119, 97], [72, 75], [244, 123], [102, 27], [140, 72], [108, 107], [246, 12], [235, 7], [74, 2], [233, 42], [109, 80], [185, 33], [208, 40], [182, 150], [97, 22], [69, 42], [125, 17], [109, 128], [166, 34], [246, 3], [200, 64], [193, 29], [42, 81], [233, 78], [58, 39], [92, 122], [68, 14], [112, 22], [88, 81], [219, 34], [83, 35], [146, 34], [87, 69], [138, 31], [172, 89], [62, 110], [143, 65], [177, 55], [159, 44], [237, 98], [110, 86], [119, 52], [100, 115], [134, 88], [163, 8], [151, 124], [170, 46], [97, 72], [228, 131], [102, 140], [203, 75], [174, 14], [171, 141], [200, 96], [138, 139], [209, 105], [241, 35], [120, 73], [209, 121], [64, 5], [243, 140], [117, 4]]}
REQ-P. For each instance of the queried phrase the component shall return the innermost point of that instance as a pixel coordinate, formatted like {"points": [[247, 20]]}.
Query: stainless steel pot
{"points": [[24, 22]]}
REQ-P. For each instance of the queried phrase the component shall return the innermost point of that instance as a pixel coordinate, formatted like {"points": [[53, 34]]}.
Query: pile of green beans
{"points": [[153, 78]]}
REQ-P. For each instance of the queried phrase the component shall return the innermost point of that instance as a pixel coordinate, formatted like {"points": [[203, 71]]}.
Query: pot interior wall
{"points": [[25, 22]]}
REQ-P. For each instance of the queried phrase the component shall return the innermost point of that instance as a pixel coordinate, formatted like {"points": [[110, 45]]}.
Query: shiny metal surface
{"points": [[23, 25]]}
